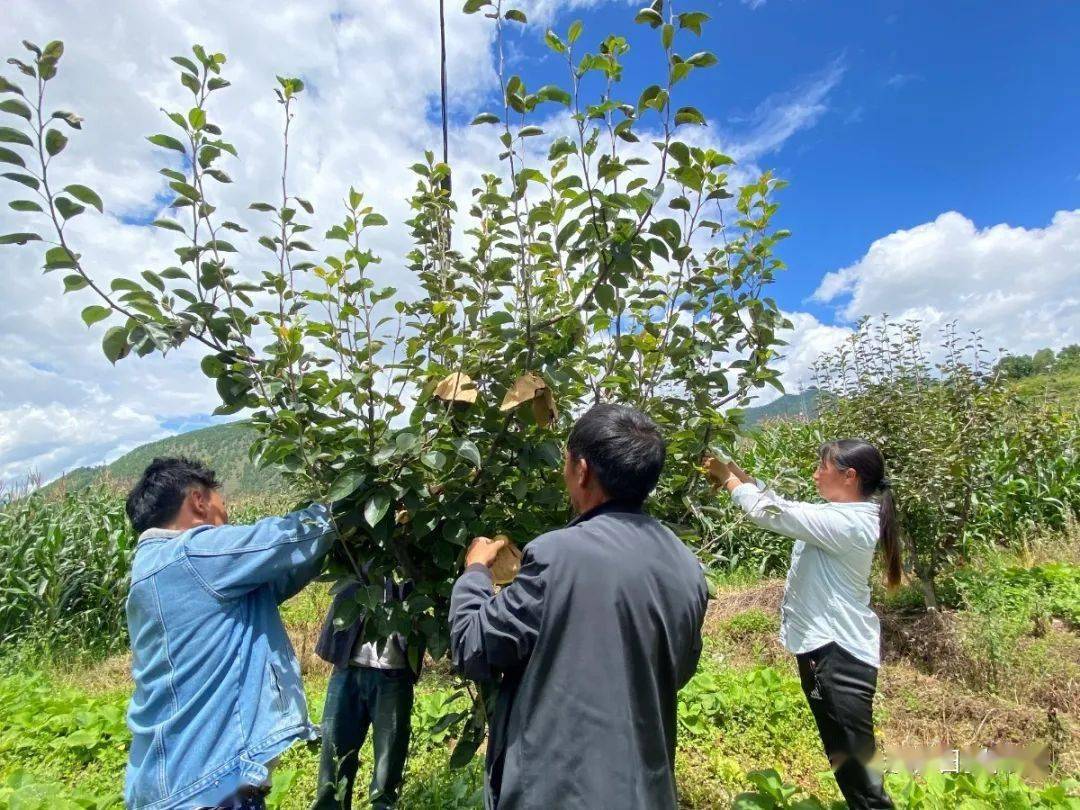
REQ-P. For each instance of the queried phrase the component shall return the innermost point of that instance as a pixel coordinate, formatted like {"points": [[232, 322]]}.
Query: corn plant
{"points": [[64, 566]]}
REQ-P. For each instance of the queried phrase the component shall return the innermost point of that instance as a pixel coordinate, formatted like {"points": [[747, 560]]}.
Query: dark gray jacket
{"points": [[594, 639]]}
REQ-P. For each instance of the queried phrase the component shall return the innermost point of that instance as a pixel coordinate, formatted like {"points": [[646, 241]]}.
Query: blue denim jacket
{"points": [[217, 685]]}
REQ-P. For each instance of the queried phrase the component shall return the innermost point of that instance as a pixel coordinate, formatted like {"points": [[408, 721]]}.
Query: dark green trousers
{"points": [[359, 697]]}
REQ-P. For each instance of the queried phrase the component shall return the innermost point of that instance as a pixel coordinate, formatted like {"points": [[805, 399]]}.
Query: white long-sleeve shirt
{"points": [[827, 593]]}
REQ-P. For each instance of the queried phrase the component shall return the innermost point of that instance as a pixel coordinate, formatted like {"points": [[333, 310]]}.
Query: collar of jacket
{"points": [[603, 509], [160, 534]]}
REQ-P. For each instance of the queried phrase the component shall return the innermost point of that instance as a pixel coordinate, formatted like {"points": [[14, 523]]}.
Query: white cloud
{"points": [[783, 114], [900, 79], [1019, 287]]}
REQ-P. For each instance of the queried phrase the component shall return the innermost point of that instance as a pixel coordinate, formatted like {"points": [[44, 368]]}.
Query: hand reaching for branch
{"points": [[725, 474]]}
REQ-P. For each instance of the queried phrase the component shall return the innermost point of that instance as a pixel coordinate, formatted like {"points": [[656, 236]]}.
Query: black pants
{"points": [[840, 690], [356, 699]]}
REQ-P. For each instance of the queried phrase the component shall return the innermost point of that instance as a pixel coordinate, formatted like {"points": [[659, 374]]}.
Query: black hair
{"points": [[156, 498], [624, 449], [869, 466]]}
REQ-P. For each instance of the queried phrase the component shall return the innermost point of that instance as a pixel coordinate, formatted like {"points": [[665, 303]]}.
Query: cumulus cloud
{"points": [[1019, 287]]}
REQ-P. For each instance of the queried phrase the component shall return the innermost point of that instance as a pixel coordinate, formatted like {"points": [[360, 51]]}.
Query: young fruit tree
{"points": [[603, 257]]}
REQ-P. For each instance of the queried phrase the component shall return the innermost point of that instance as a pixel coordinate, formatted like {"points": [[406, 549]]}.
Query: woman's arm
{"points": [[811, 523]]}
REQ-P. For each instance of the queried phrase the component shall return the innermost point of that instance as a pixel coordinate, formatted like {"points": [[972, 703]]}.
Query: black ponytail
{"points": [[869, 466]]}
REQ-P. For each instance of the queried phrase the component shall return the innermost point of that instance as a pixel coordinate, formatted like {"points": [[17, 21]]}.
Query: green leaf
{"points": [[55, 141], [166, 142], [25, 179], [186, 64], [373, 219], [486, 118], [575, 31], [689, 115], [67, 208], [552, 92], [693, 20], [115, 344], [8, 87], [469, 451], [54, 50], [667, 35], [703, 59], [473, 6], [191, 83], [305, 205], [553, 42], [12, 135], [71, 119], [58, 258], [154, 280], [75, 282], [19, 238], [650, 17], [465, 750], [434, 459], [220, 245], [516, 16], [184, 189], [212, 366], [197, 117], [15, 107], [94, 313], [346, 484], [405, 442], [85, 195], [8, 156], [527, 132], [169, 225], [376, 508], [261, 206], [605, 297], [25, 205]]}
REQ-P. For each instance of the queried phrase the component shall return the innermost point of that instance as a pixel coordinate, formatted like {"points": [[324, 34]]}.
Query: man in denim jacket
{"points": [[218, 695]]}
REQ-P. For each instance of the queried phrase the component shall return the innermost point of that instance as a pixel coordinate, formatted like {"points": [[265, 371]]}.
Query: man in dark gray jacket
{"points": [[594, 638]]}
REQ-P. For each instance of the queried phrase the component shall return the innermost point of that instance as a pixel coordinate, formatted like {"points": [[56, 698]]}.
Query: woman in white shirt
{"points": [[826, 620]]}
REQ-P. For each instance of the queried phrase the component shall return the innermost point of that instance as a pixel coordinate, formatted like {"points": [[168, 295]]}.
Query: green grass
{"points": [[62, 745]]}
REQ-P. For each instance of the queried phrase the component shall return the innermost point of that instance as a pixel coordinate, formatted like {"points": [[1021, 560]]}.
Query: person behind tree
{"points": [[592, 640], [218, 695], [825, 618], [371, 687]]}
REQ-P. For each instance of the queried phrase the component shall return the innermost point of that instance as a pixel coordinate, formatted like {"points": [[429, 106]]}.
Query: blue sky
{"points": [[972, 107]]}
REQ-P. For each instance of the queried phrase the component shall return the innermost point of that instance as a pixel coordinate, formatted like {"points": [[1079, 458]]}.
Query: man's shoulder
{"points": [[154, 554], [550, 542]]}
